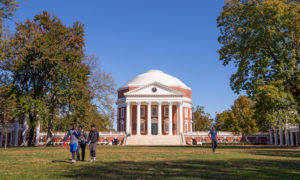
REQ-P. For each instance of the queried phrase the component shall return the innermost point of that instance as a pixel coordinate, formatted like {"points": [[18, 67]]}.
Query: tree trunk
{"points": [[31, 132], [50, 128]]}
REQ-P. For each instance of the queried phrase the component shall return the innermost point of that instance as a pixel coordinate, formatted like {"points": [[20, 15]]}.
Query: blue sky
{"points": [[130, 37]]}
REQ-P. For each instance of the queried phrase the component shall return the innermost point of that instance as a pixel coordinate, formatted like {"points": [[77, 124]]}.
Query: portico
{"points": [[154, 117], [155, 104]]}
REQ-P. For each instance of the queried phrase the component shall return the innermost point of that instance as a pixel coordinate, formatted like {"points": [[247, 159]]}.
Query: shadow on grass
{"points": [[214, 169], [62, 161], [278, 153]]}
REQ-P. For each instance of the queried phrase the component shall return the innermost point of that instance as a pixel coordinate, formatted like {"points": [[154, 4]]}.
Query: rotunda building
{"points": [[154, 103]]}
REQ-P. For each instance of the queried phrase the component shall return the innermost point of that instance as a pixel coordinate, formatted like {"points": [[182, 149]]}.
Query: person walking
{"points": [[74, 135], [213, 135], [92, 141], [81, 144]]}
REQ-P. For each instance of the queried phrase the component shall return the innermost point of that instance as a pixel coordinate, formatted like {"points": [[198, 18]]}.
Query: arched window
{"points": [[166, 125], [104, 141]]}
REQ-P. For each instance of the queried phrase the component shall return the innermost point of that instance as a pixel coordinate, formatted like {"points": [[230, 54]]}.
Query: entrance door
{"points": [[154, 128]]}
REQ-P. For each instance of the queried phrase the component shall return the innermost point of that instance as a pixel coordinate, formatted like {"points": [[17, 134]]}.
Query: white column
{"points": [[159, 118], [138, 119], [170, 118], [37, 137], [281, 137], [275, 137], [180, 117], [128, 118], [270, 137], [292, 138], [286, 137], [149, 125]]}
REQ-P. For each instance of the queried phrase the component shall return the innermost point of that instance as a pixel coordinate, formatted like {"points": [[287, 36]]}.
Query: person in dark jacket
{"points": [[213, 135], [81, 144], [74, 135], [92, 141]]}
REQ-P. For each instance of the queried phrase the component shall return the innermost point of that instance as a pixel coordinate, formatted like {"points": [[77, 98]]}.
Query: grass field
{"points": [[241, 162]]}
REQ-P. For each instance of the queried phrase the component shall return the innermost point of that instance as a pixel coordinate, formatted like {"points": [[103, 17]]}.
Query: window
{"points": [[186, 111], [122, 128], [166, 111], [142, 111], [166, 126], [142, 126], [122, 112], [154, 111], [186, 127]]}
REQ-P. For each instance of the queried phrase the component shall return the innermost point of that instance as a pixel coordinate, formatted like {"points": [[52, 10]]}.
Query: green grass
{"points": [[119, 162]]}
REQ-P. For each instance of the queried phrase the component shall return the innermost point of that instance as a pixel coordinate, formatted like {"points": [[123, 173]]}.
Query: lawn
{"points": [[119, 162]]}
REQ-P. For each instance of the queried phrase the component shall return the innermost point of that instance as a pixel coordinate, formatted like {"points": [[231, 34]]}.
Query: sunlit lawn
{"points": [[119, 162]]}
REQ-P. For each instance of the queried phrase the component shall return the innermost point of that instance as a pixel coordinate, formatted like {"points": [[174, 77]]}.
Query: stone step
{"points": [[153, 140]]}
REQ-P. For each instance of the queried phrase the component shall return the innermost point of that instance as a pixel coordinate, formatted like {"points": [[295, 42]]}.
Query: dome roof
{"points": [[155, 76]]}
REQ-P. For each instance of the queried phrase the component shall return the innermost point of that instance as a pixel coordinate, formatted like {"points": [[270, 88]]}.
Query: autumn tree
{"points": [[202, 120], [242, 117], [274, 107], [261, 37], [7, 102], [221, 121], [46, 65]]}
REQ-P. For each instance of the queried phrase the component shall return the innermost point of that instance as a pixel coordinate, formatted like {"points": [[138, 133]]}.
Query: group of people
{"points": [[79, 139]]}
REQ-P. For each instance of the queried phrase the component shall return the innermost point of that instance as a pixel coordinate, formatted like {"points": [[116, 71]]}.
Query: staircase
{"points": [[154, 140]]}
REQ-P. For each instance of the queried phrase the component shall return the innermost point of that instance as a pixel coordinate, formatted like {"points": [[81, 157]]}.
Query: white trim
{"points": [[159, 85], [186, 112]]}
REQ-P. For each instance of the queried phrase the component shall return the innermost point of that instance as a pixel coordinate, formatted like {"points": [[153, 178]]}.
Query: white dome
{"points": [[155, 76]]}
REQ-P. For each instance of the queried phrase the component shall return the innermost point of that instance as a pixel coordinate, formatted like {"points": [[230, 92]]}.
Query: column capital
{"points": [[149, 102], [170, 103], [138, 102], [159, 103]]}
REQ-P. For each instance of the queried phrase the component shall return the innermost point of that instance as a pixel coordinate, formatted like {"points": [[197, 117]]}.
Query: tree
{"points": [[241, 117], [7, 103], [46, 65], [222, 120], [202, 120], [274, 107], [261, 37], [103, 90]]}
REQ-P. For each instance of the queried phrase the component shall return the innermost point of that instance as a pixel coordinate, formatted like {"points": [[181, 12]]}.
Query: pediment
{"points": [[154, 89]]}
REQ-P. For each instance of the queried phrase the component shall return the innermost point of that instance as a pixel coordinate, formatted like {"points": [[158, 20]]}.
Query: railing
{"points": [[125, 139], [182, 138]]}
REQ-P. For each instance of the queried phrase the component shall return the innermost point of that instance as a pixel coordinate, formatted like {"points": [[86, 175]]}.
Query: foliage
{"points": [[222, 121], [242, 117], [202, 120], [275, 107], [262, 38], [239, 119]]}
